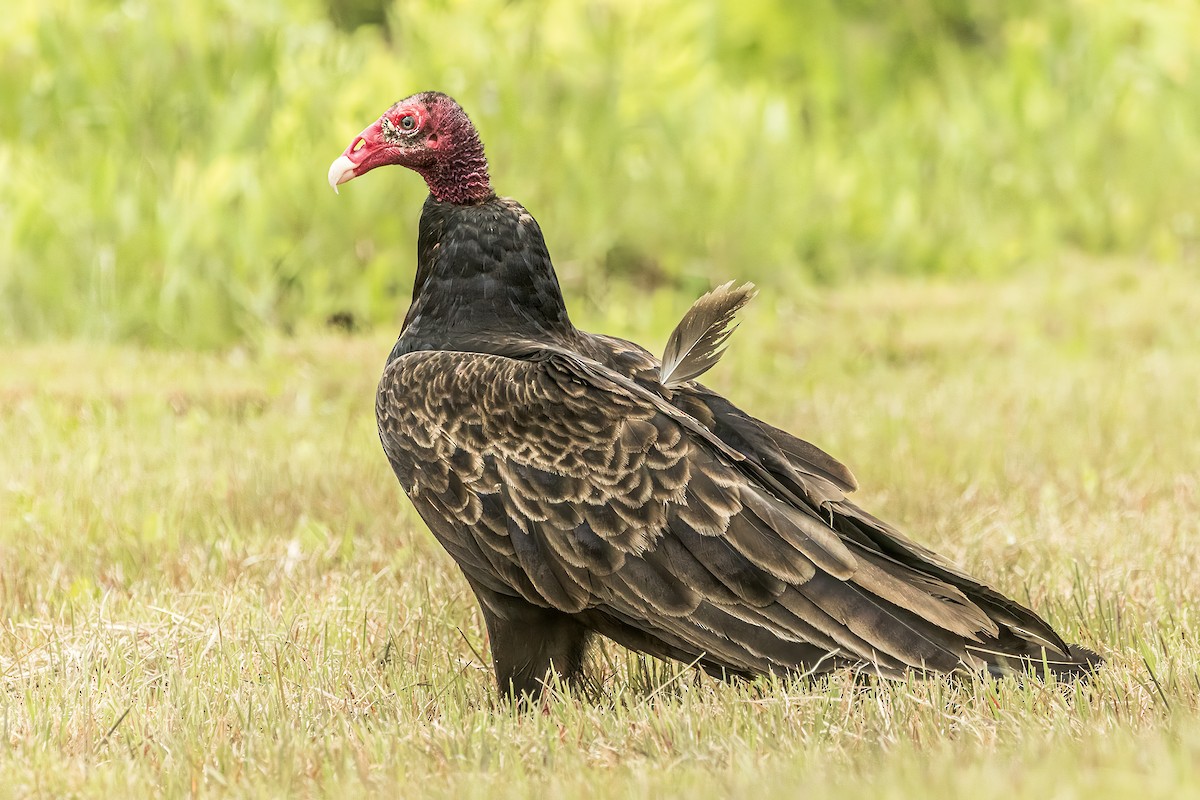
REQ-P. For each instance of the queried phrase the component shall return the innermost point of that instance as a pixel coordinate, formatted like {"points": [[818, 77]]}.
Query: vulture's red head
{"points": [[430, 134]]}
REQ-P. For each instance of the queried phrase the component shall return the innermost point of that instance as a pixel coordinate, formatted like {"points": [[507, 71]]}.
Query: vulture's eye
{"points": [[408, 122]]}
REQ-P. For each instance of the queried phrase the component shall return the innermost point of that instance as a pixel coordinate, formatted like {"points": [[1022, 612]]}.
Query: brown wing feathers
{"points": [[582, 498]]}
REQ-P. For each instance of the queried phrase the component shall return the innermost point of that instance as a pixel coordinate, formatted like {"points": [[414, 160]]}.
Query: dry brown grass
{"points": [[210, 583]]}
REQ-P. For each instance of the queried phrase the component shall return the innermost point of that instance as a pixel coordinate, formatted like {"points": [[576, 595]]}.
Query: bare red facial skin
{"points": [[440, 144]]}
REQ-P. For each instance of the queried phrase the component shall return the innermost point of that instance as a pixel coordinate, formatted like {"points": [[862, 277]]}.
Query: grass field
{"points": [[212, 585]]}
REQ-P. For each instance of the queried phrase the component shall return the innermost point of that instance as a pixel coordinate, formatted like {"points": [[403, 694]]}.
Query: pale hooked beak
{"points": [[340, 171]]}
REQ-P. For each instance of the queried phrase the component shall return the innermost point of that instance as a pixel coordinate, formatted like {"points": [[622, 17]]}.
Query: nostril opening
{"points": [[359, 144]]}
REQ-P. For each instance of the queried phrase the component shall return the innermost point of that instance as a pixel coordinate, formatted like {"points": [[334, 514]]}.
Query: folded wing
{"points": [[553, 479]]}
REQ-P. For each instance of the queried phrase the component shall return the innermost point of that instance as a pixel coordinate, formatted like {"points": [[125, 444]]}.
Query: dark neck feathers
{"points": [[483, 273]]}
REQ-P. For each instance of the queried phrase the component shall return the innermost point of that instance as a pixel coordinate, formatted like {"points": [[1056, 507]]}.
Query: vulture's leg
{"points": [[531, 646]]}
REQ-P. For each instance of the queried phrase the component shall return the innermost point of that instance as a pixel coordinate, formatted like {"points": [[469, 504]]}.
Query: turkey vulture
{"points": [[586, 487]]}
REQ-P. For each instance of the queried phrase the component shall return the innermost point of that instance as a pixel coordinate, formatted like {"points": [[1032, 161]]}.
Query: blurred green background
{"points": [[162, 165]]}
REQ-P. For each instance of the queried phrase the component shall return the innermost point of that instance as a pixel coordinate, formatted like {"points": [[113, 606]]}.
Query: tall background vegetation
{"points": [[162, 165]]}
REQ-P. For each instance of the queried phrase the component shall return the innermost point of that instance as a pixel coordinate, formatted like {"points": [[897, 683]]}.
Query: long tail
{"points": [[1024, 643]]}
